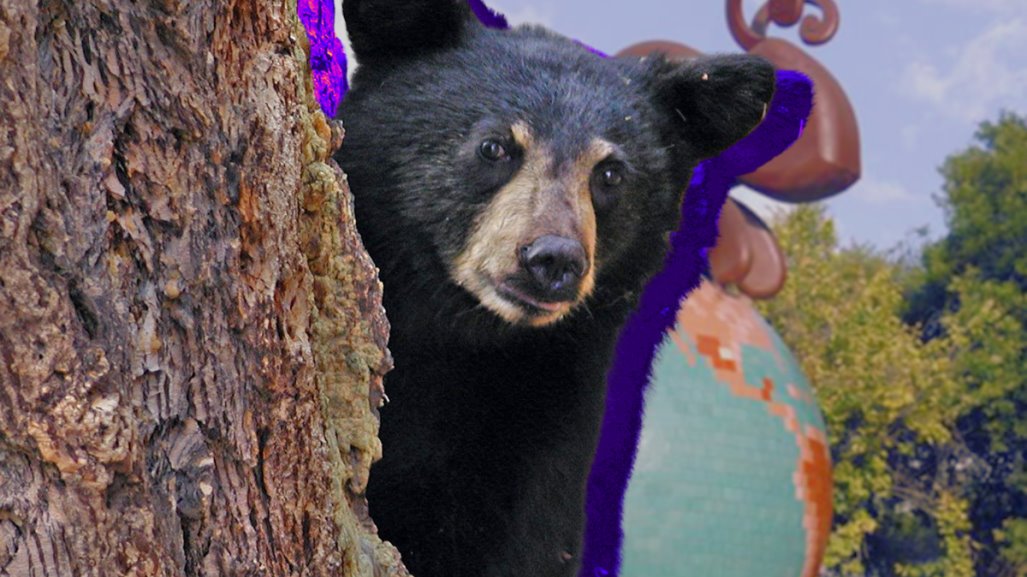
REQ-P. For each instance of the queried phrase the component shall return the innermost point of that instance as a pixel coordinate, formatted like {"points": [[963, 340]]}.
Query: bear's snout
{"points": [[555, 266]]}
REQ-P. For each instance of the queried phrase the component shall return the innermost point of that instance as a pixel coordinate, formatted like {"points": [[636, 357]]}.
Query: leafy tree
{"points": [[884, 393], [922, 374], [972, 288]]}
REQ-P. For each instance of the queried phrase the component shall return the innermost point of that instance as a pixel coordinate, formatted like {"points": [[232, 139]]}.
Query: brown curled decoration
{"points": [[819, 30], [784, 13], [813, 30], [740, 29]]}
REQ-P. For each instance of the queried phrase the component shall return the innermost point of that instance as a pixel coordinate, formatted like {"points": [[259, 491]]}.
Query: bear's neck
{"points": [[500, 430], [494, 421]]}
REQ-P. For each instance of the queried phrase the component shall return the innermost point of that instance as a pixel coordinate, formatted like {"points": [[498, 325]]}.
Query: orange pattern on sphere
{"points": [[728, 323]]}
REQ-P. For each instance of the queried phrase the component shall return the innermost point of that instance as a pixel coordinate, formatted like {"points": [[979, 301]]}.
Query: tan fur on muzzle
{"points": [[540, 200]]}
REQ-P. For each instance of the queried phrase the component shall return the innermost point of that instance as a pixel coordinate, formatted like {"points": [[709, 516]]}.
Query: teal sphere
{"points": [[733, 477]]}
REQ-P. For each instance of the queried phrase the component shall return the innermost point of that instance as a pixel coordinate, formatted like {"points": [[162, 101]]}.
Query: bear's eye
{"points": [[607, 179], [491, 149], [611, 177]]}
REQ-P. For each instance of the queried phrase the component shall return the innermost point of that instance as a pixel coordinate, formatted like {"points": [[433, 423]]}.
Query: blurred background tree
{"points": [[919, 363]]}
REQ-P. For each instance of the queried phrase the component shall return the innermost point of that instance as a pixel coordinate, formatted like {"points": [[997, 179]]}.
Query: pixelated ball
{"points": [[733, 474]]}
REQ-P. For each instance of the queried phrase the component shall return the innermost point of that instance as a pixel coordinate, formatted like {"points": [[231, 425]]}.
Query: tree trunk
{"points": [[191, 334]]}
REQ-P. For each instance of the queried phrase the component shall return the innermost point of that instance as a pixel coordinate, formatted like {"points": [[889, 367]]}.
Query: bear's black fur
{"points": [[516, 191]]}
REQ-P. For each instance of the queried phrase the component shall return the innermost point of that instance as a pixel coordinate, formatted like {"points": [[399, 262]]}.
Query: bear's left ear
{"points": [[380, 29], [711, 102]]}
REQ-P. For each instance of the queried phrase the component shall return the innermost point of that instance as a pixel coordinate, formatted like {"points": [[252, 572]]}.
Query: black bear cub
{"points": [[516, 191]]}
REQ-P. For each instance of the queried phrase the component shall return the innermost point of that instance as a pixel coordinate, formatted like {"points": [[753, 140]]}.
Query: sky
{"points": [[920, 74]]}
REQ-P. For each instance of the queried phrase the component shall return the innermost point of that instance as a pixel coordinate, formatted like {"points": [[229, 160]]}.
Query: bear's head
{"points": [[515, 173]]}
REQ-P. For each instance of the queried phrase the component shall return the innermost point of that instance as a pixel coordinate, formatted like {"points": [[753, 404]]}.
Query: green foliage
{"points": [[972, 291], [882, 390], [985, 202], [1013, 540], [921, 372]]}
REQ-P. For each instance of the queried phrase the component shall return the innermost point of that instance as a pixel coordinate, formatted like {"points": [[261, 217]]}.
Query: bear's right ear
{"points": [[381, 29]]}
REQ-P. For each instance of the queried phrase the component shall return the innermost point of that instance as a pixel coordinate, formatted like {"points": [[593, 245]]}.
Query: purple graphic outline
{"points": [[682, 272], [327, 56]]}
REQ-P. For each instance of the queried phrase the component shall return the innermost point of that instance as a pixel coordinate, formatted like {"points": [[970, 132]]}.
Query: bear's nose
{"points": [[556, 265]]}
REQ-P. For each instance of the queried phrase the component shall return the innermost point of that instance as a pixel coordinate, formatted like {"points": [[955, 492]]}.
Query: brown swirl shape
{"points": [[814, 30]]}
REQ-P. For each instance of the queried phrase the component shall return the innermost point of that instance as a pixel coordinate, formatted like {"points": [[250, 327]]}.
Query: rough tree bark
{"points": [[191, 335]]}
